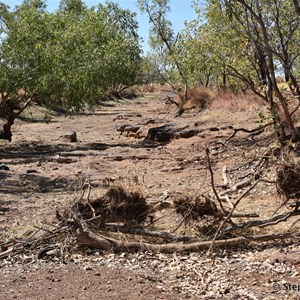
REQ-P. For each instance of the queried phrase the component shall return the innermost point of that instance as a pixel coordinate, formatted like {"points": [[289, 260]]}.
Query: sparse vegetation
{"points": [[204, 160]]}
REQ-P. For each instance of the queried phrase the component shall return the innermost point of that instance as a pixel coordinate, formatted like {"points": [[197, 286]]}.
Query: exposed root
{"points": [[288, 181], [117, 205]]}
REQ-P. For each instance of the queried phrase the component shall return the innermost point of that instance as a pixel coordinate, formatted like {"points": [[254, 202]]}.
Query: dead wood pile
{"points": [[117, 205], [195, 208], [288, 181], [121, 220]]}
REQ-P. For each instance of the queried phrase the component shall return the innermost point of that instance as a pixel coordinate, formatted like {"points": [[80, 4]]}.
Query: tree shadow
{"points": [[33, 183], [31, 151], [36, 120]]}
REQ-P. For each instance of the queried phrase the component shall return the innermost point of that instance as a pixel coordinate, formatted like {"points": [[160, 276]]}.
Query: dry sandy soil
{"points": [[48, 173]]}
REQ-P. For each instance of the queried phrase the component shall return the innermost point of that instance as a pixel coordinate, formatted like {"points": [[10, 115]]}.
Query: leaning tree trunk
{"points": [[7, 111], [271, 71]]}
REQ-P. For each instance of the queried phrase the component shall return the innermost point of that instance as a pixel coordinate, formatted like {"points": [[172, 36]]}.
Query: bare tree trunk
{"points": [[297, 7], [270, 65]]}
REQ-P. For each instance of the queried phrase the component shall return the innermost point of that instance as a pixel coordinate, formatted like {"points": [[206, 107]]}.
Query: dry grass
{"points": [[199, 213], [195, 208], [156, 88], [198, 98], [237, 102]]}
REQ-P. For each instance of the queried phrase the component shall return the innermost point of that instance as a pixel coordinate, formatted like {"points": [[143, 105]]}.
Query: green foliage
{"points": [[47, 118], [225, 46], [72, 57], [165, 56], [262, 119]]}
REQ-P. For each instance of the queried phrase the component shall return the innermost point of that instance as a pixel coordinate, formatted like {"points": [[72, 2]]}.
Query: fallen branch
{"points": [[253, 132], [86, 237], [169, 236], [238, 186], [228, 201], [244, 215], [262, 223], [224, 174], [7, 252], [212, 180], [157, 234], [212, 245], [33, 243]]}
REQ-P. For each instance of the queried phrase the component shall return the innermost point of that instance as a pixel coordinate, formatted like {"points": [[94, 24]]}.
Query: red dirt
{"points": [[38, 184]]}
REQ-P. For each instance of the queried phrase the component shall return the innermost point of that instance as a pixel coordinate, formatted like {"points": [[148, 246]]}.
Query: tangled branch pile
{"points": [[117, 205], [195, 208], [288, 181], [120, 209]]}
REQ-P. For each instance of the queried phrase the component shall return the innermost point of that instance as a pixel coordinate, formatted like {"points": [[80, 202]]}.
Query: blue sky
{"points": [[181, 10]]}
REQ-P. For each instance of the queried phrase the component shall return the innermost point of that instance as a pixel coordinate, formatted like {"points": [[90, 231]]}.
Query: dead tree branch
{"points": [[212, 181], [229, 216], [253, 132], [262, 223], [86, 237]]}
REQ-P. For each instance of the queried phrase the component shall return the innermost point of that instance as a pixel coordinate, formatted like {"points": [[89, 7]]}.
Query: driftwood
{"points": [[86, 237]]}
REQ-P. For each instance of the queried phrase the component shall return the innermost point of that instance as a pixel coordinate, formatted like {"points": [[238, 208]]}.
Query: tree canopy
{"points": [[233, 44], [73, 56]]}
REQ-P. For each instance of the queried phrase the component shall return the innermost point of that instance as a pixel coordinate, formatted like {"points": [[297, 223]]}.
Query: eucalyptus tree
{"points": [[217, 53], [285, 40]]}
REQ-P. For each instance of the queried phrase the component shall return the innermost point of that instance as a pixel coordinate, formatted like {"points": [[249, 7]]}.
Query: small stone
{"points": [[30, 171], [70, 136], [64, 160]]}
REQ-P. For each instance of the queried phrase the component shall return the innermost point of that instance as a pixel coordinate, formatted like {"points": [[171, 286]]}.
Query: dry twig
{"points": [[212, 180]]}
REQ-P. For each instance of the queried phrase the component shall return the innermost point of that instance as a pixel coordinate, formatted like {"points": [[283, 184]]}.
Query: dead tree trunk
{"points": [[86, 237]]}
